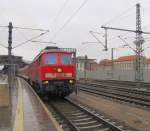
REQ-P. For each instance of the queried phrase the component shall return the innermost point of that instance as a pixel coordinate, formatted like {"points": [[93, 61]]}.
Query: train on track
{"points": [[52, 72]]}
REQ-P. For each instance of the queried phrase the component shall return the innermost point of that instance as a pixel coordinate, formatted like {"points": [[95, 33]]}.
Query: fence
{"points": [[125, 75]]}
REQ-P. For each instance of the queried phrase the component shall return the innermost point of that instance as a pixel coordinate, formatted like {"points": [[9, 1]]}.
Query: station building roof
{"points": [[108, 62]]}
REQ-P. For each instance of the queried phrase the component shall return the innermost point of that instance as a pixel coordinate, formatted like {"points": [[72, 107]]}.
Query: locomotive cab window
{"points": [[50, 59], [66, 59], [39, 60]]}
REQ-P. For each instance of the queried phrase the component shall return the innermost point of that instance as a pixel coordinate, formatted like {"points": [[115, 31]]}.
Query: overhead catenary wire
{"points": [[30, 40], [60, 11], [25, 28], [148, 7], [86, 42], [35, 41], [126, 43], [145, 12], [2, 45], [3, 26], [118, 16], [69, 20], [92, 33], [47, 42], [22, 34]]}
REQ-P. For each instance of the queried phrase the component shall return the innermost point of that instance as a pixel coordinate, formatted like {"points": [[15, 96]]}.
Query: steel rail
{"points": [[118, 87], [117, 92], [104, 124], [69, 123], [144, 85], [129, 99], [110, 125]]}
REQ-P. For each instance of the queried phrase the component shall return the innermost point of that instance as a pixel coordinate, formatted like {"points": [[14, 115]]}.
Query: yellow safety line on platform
{"points": [[18, 125], [58, 127]]}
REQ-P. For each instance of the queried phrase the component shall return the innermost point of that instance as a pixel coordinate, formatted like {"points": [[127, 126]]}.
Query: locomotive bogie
{"points": [[59, 88]]}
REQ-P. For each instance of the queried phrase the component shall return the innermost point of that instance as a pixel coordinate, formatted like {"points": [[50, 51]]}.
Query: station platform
{"points": [[26, 111]]}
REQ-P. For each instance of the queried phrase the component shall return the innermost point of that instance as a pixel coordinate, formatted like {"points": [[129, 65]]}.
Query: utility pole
{"points": [[10, 27], [9, 47], [139, 63]]}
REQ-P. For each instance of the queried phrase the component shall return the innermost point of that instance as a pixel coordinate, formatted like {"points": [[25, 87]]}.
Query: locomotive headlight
{"points": [[50, 75], [45, 82], [71, 81], [59, 69], [67, 74]]}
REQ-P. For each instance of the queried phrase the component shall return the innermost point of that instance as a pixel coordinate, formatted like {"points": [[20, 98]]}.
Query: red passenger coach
{"points": [[52, 72]]}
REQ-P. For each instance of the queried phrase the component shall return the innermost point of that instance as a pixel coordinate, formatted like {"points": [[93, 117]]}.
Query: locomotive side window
{"points": [[50, 59], [66, 59]]}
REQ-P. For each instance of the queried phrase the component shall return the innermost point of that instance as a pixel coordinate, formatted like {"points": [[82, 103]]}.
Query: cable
{"points": [[47, 42], [92, 33], [60, 11], [145, 11], [126, 43], [86, 42], [30, 40], [97, 33], [23, 35], [3, 26], [146, 7], [24, 28], [118, 16], [69, 20], [3, 46]]}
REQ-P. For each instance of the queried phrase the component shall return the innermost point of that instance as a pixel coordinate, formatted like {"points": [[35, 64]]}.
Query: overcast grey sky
{"points": [[52, 14]]}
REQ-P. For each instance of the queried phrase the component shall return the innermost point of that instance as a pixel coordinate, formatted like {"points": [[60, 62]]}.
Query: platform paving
{"points": [[35, 117], [27, 112], [5, 109]]}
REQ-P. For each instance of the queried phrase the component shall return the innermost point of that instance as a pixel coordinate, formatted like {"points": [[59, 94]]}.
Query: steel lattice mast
{"points": [[139, 60], [139, 63]]}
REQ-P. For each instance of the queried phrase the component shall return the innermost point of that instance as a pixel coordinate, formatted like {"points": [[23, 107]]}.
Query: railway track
{"points": [[137, 97], [116, 87], [76, 117], [132, 84]]}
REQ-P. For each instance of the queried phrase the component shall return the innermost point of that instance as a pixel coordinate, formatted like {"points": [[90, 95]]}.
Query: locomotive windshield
{"points": [[50, 59], [66, 59]]}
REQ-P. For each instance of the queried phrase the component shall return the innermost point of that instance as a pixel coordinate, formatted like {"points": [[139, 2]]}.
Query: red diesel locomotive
{"points": [[52, 72]]}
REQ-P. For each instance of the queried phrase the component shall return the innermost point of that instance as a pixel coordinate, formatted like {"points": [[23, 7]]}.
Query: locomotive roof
{"points": [[55, 49]]}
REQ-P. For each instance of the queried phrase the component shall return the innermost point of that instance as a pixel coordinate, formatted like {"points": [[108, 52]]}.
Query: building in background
{"points": [[147, 64], [123, 63], [83, 62], [122, 68], [105, 64]]}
